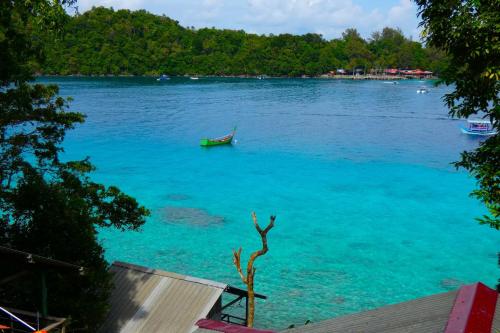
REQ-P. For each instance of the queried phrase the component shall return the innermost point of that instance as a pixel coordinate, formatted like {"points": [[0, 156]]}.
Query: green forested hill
{"points": [[104, 41]]}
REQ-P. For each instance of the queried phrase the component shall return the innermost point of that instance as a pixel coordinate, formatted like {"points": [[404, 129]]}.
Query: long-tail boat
{"points": [[479, 127], [223, 140]]}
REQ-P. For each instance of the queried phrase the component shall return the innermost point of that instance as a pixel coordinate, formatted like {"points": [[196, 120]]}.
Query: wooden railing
{"points": [[231, 319]]}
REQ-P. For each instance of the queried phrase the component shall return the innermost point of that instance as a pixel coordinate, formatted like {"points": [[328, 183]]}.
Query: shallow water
{"points": [[369, 210]]}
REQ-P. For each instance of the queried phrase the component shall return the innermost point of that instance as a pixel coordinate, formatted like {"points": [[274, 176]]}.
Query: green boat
{"points": [[224, 140]]}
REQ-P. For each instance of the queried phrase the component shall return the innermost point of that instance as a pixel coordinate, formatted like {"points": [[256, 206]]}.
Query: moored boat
{"points": [[479, 127], [422, 90], [163, 78], [223, 140]]}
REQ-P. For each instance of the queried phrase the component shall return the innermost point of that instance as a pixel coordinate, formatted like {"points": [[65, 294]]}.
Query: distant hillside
{"points": [[104, 41]]}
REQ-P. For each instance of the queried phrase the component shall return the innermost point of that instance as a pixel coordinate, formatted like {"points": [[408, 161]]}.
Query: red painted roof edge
{"points": [[219, 326], [473, 309]]}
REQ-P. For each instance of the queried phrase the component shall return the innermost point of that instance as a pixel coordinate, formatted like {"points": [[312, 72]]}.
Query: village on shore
{"points": [[389, 74]]}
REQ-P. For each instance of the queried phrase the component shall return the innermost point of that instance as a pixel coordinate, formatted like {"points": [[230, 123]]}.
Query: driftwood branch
{"points": [[249, 278]]}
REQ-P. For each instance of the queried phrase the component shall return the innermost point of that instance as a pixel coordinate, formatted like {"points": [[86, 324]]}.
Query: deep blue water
{"points": [[369, 210]]}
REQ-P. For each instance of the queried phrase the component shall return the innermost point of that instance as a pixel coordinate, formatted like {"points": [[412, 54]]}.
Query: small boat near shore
{"points": [[194, 78], [422, 90], [478, 127], [223, 140], [164, 77]]}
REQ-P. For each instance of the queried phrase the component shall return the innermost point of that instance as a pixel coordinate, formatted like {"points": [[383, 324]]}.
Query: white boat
{"points": [[194, 78], [422, 90], [479, 127]]}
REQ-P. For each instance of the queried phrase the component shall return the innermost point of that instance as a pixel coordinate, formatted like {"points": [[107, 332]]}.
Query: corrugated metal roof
{"points": [[428, 314], [424, 315], [149, 300], [495, 327]]}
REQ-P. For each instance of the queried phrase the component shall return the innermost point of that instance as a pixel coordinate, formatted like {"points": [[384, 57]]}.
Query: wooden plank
{"points": [[241, 292], [13, 277], [54, 325]]}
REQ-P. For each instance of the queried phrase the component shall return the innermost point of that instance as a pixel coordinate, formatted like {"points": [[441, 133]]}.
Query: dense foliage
{"points": [[48, 206], [469, 31], [104, 41]]}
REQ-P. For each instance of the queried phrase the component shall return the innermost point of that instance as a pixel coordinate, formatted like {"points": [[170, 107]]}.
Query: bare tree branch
{"points": [[249, 278], [263, 236], [237, 263]]}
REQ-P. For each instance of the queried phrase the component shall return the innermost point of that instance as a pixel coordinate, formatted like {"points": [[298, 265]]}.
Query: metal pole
{"points": [[18, 319]]}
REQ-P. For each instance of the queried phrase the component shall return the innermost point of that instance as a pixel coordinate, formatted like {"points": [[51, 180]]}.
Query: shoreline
{"points": [[258, 77]]}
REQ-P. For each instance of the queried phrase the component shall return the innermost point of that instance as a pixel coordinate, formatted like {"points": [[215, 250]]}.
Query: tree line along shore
{"points": [[103, 41], [379, 77]]}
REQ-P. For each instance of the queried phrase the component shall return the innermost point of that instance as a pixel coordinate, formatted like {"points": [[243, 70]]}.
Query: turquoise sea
{"points": [[369, 210]]}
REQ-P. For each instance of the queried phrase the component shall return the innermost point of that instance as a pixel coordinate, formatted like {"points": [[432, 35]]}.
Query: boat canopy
{"points": [[478, 121], [479, 125]]}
